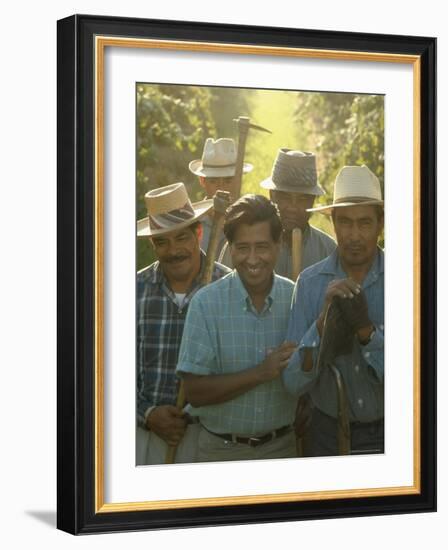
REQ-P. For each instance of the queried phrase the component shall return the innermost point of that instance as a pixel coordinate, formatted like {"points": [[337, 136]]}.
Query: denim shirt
{"points": [[363, 369]]}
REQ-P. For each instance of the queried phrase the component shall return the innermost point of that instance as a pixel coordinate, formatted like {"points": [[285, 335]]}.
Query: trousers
{"points": [[366, 437], [151, 449]]}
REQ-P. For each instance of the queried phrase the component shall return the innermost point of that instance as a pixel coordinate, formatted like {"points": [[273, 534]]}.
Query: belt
{"points": [[353, 423], [254, 441]]}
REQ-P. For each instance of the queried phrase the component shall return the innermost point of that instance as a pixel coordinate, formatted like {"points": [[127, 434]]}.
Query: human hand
{"points": [[355, 311], [342, 289], [168, 422], [276, 361]]}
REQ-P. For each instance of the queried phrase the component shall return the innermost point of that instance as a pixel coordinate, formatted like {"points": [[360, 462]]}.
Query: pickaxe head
{"points": [[244, 123]]}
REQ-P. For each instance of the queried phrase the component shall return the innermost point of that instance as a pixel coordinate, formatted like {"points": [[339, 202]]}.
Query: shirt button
{"points": [[314, 343], [357, 369], [367, 354], [360, 403]]}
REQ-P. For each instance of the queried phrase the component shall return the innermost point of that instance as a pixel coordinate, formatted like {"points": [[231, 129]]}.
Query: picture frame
{"points": [[82, 300]]}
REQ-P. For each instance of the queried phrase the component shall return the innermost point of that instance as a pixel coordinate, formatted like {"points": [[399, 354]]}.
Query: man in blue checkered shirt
{"points": [[233, 348], [164, 291]]}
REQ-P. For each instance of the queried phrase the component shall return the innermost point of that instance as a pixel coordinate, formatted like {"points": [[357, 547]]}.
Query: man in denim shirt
{"points": [[351, 279]]}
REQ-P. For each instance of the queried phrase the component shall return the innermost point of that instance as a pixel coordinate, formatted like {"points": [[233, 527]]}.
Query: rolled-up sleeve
{"points": [[197, 351], [373, 353], [301, 329]]}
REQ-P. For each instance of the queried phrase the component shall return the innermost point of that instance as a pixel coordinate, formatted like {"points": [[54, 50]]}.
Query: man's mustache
{"points": [[174, 259]]}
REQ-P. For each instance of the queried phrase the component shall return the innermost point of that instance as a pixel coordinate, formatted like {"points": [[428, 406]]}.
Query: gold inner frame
{"points": [[101, 43]]}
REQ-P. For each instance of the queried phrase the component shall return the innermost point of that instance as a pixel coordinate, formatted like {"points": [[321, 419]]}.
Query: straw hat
{"points": [[218, 159], [169, 209], [294, 172], [354, 186]]}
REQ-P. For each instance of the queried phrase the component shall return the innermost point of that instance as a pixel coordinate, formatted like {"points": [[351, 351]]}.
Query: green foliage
{"points": [[227, 104], [342, 129], [172, 124]]}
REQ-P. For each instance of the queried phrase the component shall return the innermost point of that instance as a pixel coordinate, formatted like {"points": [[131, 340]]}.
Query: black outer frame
{"points": [[75, 172]]}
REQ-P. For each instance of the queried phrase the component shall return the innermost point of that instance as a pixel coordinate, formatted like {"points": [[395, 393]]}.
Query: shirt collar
{"points": [[245, 298], [332, 266]]}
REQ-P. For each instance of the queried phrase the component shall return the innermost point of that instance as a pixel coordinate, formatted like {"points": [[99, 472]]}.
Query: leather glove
{"points": [[354, 311], [339, 335]]}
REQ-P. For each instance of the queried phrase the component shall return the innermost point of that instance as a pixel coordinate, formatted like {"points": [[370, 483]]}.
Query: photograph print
{"points": [[260, 274]]}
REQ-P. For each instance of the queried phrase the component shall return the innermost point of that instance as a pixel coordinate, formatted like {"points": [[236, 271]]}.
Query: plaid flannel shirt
{"points": [[160, 323]]}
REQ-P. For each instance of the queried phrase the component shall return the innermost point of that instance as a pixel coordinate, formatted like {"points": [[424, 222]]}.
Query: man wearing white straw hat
{"points": [[164, 291], [348, 287], [215, 171]]}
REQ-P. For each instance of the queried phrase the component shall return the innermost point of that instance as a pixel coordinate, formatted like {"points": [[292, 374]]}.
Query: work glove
{"points": [[338, 335], [354, 311]]}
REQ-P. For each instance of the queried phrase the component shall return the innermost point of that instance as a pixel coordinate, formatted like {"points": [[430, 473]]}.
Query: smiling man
{"points": [[234, 350], [164, 291], [293, 186], [343, 298]]}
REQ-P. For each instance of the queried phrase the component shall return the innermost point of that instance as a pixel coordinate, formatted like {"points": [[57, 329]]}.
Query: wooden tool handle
{"points": [[296, 251], [180, 403]]}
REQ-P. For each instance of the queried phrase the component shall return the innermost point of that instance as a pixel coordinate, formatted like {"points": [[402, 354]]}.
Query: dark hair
{"points": [[194, 226], [379, 209], [251, 209]]}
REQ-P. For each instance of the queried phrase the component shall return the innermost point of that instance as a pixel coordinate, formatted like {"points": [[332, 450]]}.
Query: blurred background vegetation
{"points": [[173, 122]]}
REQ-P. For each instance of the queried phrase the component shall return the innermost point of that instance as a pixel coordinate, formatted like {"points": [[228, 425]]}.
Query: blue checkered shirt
{"points": [[223, 334], [160, 323], [362, 369]]}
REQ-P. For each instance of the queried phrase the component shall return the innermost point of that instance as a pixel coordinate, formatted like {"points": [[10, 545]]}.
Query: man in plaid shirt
{"points": [[164, 291]]}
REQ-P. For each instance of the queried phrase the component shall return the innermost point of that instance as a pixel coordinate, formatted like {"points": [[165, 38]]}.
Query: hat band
{"points": [[171, 218], [355, 199], [206, 165]]}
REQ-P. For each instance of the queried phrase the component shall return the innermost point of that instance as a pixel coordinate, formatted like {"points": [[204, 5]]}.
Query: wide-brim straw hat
{"points": [[354, 186], [218, 159], [170, 209], [294, 172]]}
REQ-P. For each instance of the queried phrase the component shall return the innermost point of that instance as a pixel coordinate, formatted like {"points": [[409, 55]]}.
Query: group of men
{"points": [[252, 347]]}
